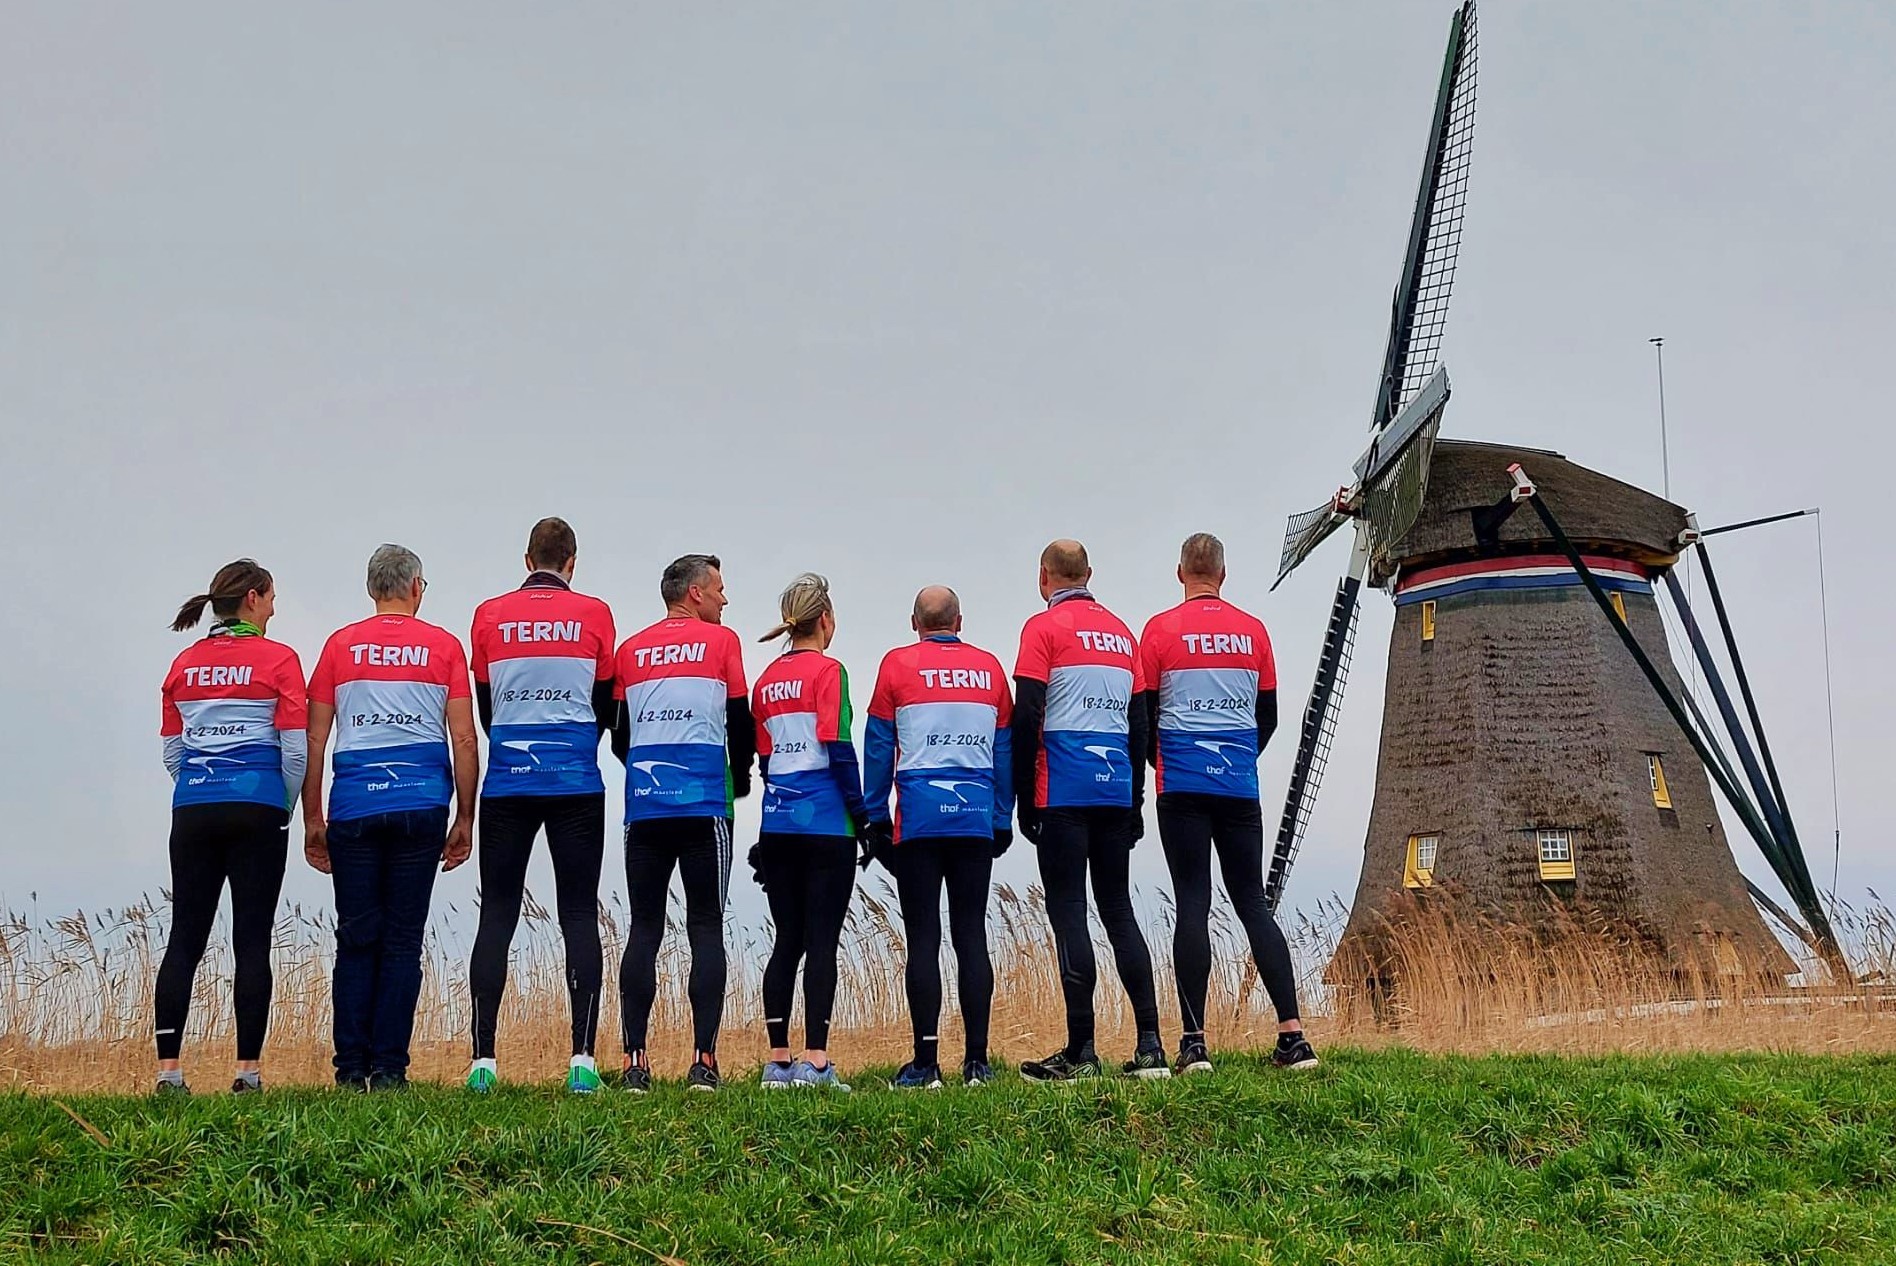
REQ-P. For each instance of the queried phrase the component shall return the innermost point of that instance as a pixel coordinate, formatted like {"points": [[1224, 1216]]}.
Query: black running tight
{"points": [[1191, 826], [1072, 843], [700, 848], [246, 844], [965, 868], [576, 837], [808, 880]]}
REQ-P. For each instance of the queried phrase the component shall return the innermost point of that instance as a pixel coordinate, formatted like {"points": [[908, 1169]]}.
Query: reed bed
{"points": [[75, 994]]}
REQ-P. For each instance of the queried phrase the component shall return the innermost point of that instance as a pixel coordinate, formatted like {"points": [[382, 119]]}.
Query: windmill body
{"points": [[1526, 770]]}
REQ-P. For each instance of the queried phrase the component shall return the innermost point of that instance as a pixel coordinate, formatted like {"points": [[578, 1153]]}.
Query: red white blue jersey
{"points": [[390, 677], [1088, 659], [677, 679], [229, 700], [801, 706], [539, 650], [1208, 660], [937, 737]]}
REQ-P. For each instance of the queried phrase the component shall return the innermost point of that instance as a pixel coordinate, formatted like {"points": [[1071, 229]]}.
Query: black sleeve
{"points": [[484, 705], [741, 736], [1148, 703], [1138, 747], [1030, 712], [621, 730], [605, 707], [1266, 717]]}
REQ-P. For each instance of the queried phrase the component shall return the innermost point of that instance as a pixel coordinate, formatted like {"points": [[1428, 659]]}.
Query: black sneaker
{"points": [[388, 1081], [914, 1076], [1147, 1064], [636, 1076], [1192, 1058], [975, 1072], [1061, 1066], [247, 1086], [171, 1090], [352, 1081], [703, 1075], [1295, 1053]]}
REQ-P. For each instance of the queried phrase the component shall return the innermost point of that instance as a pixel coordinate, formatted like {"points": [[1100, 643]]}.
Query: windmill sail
{"points": [[1410, 396]]}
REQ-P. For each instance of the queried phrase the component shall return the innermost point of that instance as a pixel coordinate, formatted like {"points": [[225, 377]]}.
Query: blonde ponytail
{"points": [[802, 605]]}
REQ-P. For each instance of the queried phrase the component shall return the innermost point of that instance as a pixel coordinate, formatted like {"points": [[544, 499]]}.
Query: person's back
{"points": [[801, 706], [1209, 684], [229, 699], [686, 733], [542, 657], [1207, 660], [1079, 749], [389, 679], [947, 707]]}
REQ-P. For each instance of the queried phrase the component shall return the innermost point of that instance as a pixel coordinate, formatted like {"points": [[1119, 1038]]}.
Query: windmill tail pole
{"points": [[1734, 796], [1785, 917]]}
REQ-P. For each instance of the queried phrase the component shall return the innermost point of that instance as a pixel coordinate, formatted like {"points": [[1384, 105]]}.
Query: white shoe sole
{"points": [[1302, 1065], [776, 1085], [1193, 1070], [1150, 1074]]}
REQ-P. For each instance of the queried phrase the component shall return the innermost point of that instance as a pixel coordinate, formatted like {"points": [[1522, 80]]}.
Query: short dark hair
{"points": [[684, 572], [551, 545]]}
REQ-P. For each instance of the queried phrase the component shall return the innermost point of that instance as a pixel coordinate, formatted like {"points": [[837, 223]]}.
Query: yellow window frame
{"points": [[1656, 774], [1414, 874], [1428, 620], [1618, 600], [1554, 868]]}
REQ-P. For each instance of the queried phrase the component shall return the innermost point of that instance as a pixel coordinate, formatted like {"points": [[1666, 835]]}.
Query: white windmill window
{"points": [[1420, 869], [1556, 852]]}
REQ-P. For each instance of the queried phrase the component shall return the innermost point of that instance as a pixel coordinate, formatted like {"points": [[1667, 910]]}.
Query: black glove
{"points": [[1003, 840], [740, 784], [878, 842], [756, 859], [1030, 823], [1138, 824]]}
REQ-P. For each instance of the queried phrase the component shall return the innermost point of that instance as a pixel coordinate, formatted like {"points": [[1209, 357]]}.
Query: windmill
{"points": [[1391, 476]]}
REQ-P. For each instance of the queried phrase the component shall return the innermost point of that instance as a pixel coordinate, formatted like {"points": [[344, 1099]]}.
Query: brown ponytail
{"points": [[802, 606], [229, 587]]}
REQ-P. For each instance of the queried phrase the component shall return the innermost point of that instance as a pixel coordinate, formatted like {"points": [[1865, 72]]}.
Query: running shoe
{"points": [[358, 1082], [636, 1076], [1192, 1058], [171, 1090], [804, 1073], [1061, 1066], [246, 1085], [388, 1081], [777, 1075], [481, 1079], [975, 1072], [914, 1076], [581, 1080], [703, 1074], [1294, 1052], [1147, 1064]]}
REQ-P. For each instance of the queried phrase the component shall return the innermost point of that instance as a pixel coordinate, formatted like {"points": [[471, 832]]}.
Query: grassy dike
{"points": [[1379, 1157]]}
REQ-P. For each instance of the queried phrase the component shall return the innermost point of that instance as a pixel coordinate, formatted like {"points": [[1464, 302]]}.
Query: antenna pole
{"points": [[1665, 454]]}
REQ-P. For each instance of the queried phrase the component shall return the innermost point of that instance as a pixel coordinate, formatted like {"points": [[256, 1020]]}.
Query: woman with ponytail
{"points": [[813, 815], [234, 720]]}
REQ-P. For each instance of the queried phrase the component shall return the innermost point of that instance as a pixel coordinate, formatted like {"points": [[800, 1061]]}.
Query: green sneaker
{"points": [[581, 1080], [481, 1079]]}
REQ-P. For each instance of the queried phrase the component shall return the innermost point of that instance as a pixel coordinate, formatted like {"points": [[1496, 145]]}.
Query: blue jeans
{"points": [[384, 870]]}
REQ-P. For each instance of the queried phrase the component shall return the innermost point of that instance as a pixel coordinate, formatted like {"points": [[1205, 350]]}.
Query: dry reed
{"points": [[75, 994]]}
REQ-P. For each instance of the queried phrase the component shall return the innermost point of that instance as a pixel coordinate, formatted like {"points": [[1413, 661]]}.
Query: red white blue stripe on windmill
{"points": [[1521, 571]]}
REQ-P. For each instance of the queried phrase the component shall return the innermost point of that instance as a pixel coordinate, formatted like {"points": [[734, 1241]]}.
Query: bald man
{"points": [[1079, 762], [937, 739]]}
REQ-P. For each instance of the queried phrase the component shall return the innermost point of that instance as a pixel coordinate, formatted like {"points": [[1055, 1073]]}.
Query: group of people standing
{"points": [[952, 759]]}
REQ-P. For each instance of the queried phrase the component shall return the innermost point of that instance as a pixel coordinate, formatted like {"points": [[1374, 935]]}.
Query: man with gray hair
{"points": [[1209, 687], [394, 690]]}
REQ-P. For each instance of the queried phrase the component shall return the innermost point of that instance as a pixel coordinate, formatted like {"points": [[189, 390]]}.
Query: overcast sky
{"points": [[898, 293]]}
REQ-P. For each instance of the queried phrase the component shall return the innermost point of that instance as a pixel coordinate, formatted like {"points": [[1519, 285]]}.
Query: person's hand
{"points": [[1030, 824], [740, 784], [316, 845], [756, 859], [1138, 824], [460, 843], [1003, 840], [878, 840]]}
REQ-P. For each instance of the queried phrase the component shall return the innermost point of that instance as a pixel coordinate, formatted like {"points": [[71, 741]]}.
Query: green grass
{"points": [[1385, 1157]]}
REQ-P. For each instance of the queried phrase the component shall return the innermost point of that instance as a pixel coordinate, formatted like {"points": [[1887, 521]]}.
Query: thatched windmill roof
{"points": [[1602, 514]]}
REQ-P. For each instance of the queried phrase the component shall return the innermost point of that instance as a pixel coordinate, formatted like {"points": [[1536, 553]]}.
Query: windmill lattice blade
{"points": [[1317, 735], [1420, 315], [1391, 504], [1303, 533]]}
